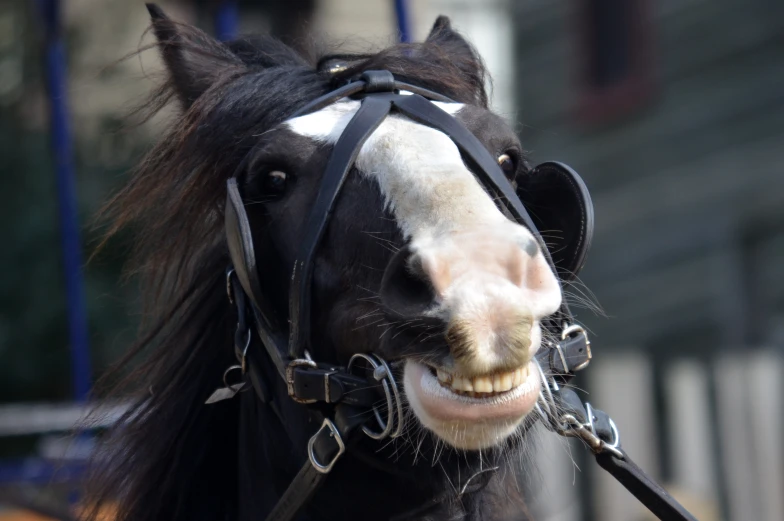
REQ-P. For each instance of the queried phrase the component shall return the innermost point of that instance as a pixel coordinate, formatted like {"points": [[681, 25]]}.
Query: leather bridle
{"points": [[345, 398]]}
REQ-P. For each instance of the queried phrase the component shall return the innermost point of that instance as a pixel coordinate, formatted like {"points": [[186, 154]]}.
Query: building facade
{"points": [[673, 111]]}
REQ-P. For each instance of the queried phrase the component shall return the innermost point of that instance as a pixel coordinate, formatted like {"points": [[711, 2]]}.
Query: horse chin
{"points": [[469, 421]]}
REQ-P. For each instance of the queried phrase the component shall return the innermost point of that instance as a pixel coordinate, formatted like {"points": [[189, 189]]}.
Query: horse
{"points": [[421, 274]]}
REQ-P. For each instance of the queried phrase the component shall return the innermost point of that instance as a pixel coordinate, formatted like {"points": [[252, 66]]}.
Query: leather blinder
{"points": [[560, 206]]}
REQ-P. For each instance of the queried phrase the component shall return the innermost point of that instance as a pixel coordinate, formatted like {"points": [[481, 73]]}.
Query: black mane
{"points": [[171, 457]]}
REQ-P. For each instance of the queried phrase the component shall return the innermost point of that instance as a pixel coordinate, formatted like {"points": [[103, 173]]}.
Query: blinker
{"points": [[560, 206]]}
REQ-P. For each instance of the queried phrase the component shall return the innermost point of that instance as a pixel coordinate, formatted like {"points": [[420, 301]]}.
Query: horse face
{"points": [[417, 264]]}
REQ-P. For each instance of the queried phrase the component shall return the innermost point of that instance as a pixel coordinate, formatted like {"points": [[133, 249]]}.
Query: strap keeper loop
{"points": [[378, 81]]}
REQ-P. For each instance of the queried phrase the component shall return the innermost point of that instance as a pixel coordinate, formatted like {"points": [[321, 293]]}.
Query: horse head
{"points": [[416, 259]]}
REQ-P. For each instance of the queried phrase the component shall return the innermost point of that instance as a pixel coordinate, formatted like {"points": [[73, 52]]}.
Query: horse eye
{"points": [[275, 182], [508, 165]]}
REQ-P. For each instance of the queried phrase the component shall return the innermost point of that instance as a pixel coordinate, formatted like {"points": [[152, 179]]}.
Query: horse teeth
{"points": [[461, 384], [483, 384], [479, 386], [503, 382], [443, 376]]}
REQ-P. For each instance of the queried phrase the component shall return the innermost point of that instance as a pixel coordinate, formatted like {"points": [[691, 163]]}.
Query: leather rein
{"points": [[346, 398]]}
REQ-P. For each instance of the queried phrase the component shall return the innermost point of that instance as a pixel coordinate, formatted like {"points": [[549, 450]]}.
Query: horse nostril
{"points": [[405, 290]]}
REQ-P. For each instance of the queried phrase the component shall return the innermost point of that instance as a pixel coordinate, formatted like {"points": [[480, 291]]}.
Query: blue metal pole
{"points": [[226, 20], [403, 29], [62, 149]]}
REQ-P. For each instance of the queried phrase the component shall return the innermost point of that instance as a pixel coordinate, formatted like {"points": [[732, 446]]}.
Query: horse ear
{"points": [[443, 34], [443, 23], [194, 59], [461, 53]]}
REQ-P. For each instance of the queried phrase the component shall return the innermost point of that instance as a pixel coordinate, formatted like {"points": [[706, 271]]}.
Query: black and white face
{"points": [[418, 264]]}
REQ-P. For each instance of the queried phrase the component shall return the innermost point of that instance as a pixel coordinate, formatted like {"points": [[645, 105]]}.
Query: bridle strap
{"points": [[571, 418], [373, 110], [326, 446], [369, 81], [636, 481], [483, 165], [369, 116]]}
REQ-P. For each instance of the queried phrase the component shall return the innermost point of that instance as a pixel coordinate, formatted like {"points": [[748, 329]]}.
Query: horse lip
{"points": [[440, 402]]}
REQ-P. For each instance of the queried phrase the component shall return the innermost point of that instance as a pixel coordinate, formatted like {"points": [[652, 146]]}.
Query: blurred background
{"points": [[672, 111]]}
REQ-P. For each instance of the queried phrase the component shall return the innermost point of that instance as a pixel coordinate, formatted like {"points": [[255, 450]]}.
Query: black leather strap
{"points": [[325, 447], [602, 425], [484, 166], [302, 488], [613, 459], [359, 85], [369, 116], [378, 81], [569, 356], [332, 385], [330, 98], [650, 493], [570, 403], [273, 342]]}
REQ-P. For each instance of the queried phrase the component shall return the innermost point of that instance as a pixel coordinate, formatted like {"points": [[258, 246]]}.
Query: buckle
{"points": [[299, 362], [572, 428], [566, 333], [335, 435]]}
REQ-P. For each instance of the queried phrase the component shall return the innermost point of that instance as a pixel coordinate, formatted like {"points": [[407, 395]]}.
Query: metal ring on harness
{"points": [[393, 426], [335, 435], [546, 399], [616, 441], [245, 385]]}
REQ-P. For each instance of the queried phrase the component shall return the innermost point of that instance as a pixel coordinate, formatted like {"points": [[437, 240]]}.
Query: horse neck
{"points": [[368, 483], [271, 453]]}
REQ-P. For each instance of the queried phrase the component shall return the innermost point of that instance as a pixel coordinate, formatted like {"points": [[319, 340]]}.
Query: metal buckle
{"points": [[229, 291], [572, 428], [567, 425], [568, 331], [299, 362], [334, 434]]}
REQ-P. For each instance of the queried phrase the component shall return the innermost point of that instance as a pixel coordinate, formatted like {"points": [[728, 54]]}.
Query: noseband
{"points": [[346, 398]]}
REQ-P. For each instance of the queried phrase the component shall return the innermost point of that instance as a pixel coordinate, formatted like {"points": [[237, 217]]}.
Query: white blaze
{"points": [[419, 170]]}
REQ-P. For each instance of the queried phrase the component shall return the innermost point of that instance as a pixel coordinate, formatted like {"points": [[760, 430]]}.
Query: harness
{"points": [[346, 398]]}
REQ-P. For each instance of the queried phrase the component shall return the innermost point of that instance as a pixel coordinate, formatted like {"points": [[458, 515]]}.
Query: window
{"points": [[615, 76]]}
